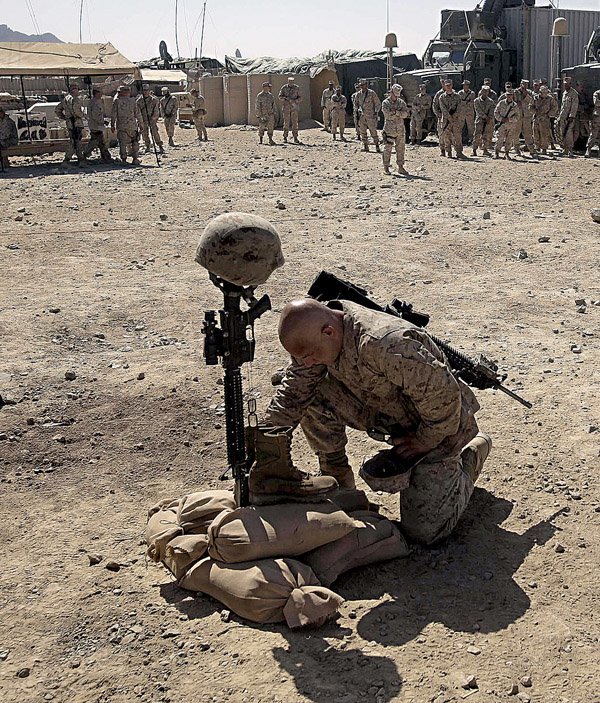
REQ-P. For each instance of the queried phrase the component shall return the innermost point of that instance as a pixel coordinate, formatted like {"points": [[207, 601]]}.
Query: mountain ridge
{"points": [[10, 35]]}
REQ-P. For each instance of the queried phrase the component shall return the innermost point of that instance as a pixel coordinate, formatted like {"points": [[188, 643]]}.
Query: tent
{"points": [[45, 59]]}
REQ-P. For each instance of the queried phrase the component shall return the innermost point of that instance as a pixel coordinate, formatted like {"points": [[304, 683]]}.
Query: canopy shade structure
{"points": [[45, 59], [151, 75]]}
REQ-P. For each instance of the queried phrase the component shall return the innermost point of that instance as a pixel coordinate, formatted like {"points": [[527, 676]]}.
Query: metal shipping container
{"points": [[529, 30]]}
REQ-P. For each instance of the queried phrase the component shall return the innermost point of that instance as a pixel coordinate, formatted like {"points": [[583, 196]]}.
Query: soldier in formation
{"points": [[467, 111], [566, 117], [290, 98], [419, 110], [198, 113], [594, 139], [327, 106], [544, 113], [484, 121], [368, 107], [435, 106], [8, 136], [452, 120], [508, 115], [353, 99], [338, 113], [127, 122], [149, 108], [95, 118], [70, 110], [395, 111], [168, 110], [525, 99], [265, 113]]}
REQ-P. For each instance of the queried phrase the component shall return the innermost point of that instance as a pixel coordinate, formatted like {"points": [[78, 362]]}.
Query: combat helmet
{"points": [[240, 248]]}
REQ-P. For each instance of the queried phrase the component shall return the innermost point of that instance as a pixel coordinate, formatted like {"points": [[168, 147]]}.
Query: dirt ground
{"points": [[99, 280]]}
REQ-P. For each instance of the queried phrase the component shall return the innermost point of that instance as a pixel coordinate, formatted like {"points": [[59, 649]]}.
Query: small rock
{"points": [[75, 664], [524, 697], [580, 301], [21, 209], [19, 218], [94, 559], [204, 646], [170, 634], [352, 615], [23, 673], [522, 255], [576, 349], [596, 215], [163, 216], [487, 215], [559, 549], [95, 223], [469, 682], [60, 438], [226, 615], [54, 310], [526, 681], [513, 690], [473, 650], [30, 421], [280, 205], [70, 375], [141, 376], [112, 565], [4, 655], [543, 240]]}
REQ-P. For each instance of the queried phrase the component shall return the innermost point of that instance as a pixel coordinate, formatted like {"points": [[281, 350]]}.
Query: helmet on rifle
{"points": [[242, 249]]}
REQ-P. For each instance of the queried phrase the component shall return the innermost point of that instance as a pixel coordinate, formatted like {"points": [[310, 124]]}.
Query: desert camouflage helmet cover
{"points": [[240, 248]]}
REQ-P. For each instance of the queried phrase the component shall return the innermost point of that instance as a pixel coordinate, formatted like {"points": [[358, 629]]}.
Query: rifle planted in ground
{"points": [[481, 373]]}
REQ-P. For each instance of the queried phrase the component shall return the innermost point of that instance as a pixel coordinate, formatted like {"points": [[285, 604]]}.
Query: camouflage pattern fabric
{"points": [[484, 122], [70, 110], [594, 139], [290, 98], [149, 108], [542, 121], [126, 118], [509, 115], [95, 115], [394, 130], [566, 119], [420, 107], [265, 113], [467, 98], [526, 101], [451, 122], [338, 114], [327, 106], [8, 132]]}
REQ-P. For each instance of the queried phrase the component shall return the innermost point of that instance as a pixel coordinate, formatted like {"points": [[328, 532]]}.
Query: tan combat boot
{"points": [[274, 478], [475, 453], [336, 464]]}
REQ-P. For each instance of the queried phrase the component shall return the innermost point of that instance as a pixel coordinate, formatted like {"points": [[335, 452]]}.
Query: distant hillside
{"points": [[7, 34]]}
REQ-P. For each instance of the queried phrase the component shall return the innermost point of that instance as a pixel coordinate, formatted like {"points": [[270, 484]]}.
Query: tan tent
{"points": [[45, 59]]}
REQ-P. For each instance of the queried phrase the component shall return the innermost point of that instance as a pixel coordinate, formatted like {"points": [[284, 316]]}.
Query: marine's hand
{"points": [[407, 448]]}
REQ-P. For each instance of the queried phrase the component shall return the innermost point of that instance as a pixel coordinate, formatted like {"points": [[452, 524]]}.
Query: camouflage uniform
{"points": [[452, 122], [435, 106], [566, 119], [95, 117], [149, 108], [526, 101], [420, 107], [290, 98], [265, 113], [484, 122], [394, 130], [594, 139], [168, 109], [467, 112], [327, 106], [509, 115], [353, 99], [368, 106], [198, 112], [338, 114], [389, 375], [9, 136], [126, 118], [70, 110], [542, 121], [581, 124]]}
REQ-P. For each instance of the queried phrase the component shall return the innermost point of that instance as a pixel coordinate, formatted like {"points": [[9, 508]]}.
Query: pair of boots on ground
{"points": [[274, 478]]}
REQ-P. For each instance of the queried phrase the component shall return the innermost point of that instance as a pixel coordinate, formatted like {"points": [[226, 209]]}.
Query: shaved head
{"points": [[311, 332]]}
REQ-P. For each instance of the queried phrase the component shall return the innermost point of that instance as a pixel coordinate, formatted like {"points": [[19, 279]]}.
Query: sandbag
{"points": [[352, 499], [282, 530], [375, 539], [183, 551], [268, 590]]}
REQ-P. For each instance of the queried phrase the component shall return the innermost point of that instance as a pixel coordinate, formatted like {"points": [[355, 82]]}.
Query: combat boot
{"points": [[336, 464], [271, 142], [449, 154], [475, 152], [274, 478], [386, 170], [518, 152], [378, 148], [365, 147], [260, 140], [285, 138], [161, 151], [588, 154], [475, 453], [496, 154], [485, 152], [137, 162], [402, 171], [343, 139], [171, 142], [442, 152]]}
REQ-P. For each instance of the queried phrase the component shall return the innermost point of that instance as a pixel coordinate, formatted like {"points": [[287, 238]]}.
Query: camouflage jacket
{"points": [[338, 102], [368, 103], [421, 104], [526, 102], [544, 106], [435, 103], [8, 132], [467, 97], [70, 110], [569, 104], [290, 94], [168, 106], [397, 372], [506, 112], [265, 104], [450, 105], [394, 113], [149, 108], [197, 105], [326, 97], [95, 115], [484, 108], [596, 101], [125, 114]]}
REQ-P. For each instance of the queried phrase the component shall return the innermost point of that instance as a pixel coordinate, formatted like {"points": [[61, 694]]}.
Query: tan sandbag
{"points": [[183, 551], [268, 590], [283, 530], [375, 539], [162, 527]]}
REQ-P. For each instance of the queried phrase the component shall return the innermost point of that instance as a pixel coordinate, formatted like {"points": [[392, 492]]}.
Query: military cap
{"points": [[363, 81], [397, 89], [265, 84], [485, 87], [124, 88], [164, 89], [465, 82], [290, 78], [145, 86]]}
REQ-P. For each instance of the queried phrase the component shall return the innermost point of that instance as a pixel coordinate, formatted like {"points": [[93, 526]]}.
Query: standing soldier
{"points": [[484, 121], [419, 109], [535, 88], [168, 109], [9, 136], [290, 99], [467, 111], [581, 126], [452, 121], [368, 108], [148, 105], [326, 105], [354, 98], [493, 93], [338, 113], [198, 112], [435, 106], [545, 111], [526, 101], [508, 114], [95, 118], [126, 121], [594, 139], [265, 113], [566, 117], [70, 110], [395, 111]]}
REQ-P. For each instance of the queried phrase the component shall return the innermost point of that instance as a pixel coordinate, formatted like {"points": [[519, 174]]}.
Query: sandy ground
{"points": [[99, 279]]}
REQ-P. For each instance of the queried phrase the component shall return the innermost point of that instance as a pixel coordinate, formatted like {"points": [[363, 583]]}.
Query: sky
{"points": [[279, 28]]}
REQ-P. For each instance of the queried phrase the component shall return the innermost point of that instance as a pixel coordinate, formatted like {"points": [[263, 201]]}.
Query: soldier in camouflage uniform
{"points": [[493, 93], [508, 114], [127, 122], [327, 106], [265, 113], [338, 113], [368, 107], [484, 121], [290, 99], [354, 367], [198, 113], [594, 139], [395, 111], [566, 117], [353, 99], [168, 110], [419, 109], [542, 119], [9, 135], [526, 101], [467, 111], [70, 110], [149, 108], [95, 118], [452, 121], [435, 106]]}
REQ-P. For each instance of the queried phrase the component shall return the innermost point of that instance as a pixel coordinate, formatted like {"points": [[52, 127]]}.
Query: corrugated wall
{"points": [[529, 31]]}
